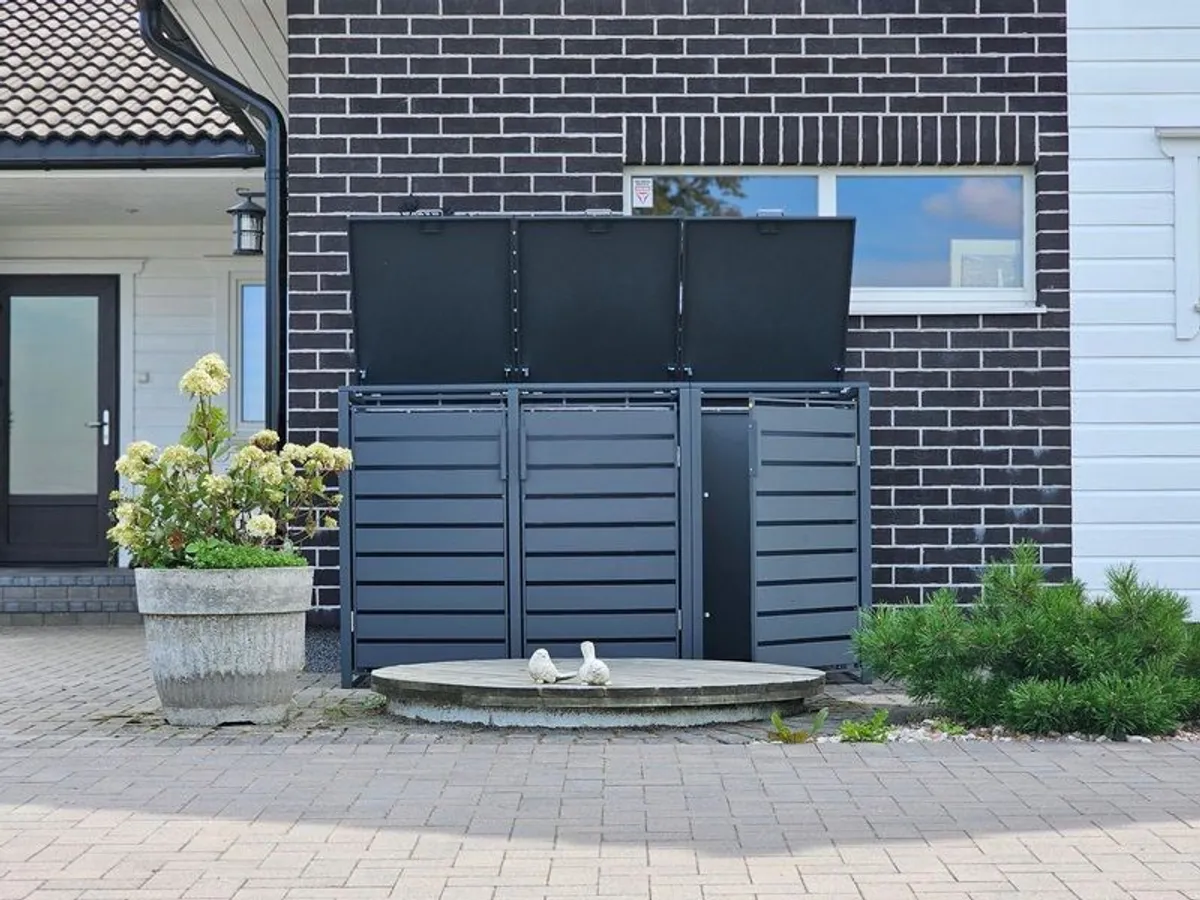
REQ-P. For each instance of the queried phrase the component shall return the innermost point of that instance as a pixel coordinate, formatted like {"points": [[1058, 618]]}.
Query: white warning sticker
{"points": [[643, 193]]}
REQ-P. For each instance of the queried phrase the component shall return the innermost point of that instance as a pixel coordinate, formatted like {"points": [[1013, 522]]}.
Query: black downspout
{"points": [[151, 18]]}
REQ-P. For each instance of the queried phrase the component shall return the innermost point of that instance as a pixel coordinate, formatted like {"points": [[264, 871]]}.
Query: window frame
{"points": [[901, 300], [243, 428]]}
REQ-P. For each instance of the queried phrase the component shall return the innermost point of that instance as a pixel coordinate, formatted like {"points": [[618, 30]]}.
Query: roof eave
{"points": [[112, 153]]}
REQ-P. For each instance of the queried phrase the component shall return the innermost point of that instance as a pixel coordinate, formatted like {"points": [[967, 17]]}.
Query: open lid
{"points": [[598, 298], [766, 299], [431, 299]]}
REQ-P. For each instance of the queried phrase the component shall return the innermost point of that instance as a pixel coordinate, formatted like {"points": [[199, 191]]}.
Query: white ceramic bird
{"points": [[543, 671], [593, 671]]}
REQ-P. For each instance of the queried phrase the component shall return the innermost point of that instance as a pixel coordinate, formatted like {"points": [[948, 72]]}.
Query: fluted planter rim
{"points": [[209, 592]]}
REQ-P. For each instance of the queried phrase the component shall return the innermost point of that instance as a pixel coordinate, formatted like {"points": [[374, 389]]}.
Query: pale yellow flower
{"points": [[343, 459], [178, 456], [218, 485], [125, 535], [293, 453], [335, 500], [215, 368], [132, 468], [199, 383], [270, 472], [207, 378], [265, 439], [330, 522], [261, 526], [143, 450], [320, 451], [248, 457]]}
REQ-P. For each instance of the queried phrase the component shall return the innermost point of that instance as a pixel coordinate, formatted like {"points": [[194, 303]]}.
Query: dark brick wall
{"points": [[539, 105]]}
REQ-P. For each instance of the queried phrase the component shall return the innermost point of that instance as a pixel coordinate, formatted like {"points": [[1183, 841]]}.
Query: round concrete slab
{"points": [[643, 692]]}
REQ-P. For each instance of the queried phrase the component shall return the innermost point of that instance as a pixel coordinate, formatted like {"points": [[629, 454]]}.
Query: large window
{"points": [[250, 335], [925, 240]]}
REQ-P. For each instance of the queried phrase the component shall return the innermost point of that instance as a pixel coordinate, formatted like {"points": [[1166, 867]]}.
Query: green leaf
{"points": [[874, 730]]}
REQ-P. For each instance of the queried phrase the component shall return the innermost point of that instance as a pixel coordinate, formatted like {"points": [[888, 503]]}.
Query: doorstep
{"points": [[67, 596]]}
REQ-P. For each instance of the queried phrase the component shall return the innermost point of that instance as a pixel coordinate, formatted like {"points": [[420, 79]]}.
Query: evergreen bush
{"points": [[1040, 658]]}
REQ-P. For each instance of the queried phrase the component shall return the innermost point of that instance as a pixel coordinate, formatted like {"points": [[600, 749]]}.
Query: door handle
{"points": [[102, 424]]}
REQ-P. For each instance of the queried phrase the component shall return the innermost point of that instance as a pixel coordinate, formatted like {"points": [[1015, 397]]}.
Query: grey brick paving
{"points": [[99, 799]]}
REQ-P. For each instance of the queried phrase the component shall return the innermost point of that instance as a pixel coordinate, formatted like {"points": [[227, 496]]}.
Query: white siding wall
{"points": [[175, 304], [1134, 68]]}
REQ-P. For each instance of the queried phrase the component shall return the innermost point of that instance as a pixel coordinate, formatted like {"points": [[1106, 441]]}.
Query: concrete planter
{"points": [[225, 645]]}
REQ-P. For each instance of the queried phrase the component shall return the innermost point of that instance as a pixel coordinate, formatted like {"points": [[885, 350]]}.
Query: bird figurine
{"points": [[543, 671], [593, 671]]}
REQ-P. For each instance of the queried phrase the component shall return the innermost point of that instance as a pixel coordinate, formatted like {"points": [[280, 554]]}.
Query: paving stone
{"points": [[100, 799]]}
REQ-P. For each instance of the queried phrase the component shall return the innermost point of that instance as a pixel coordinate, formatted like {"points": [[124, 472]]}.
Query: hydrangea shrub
{"points": [[206, 491]]}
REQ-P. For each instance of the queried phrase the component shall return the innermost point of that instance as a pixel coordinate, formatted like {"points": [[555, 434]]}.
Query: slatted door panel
{"points": [[600, 530], [805, 498], [429, 535]]}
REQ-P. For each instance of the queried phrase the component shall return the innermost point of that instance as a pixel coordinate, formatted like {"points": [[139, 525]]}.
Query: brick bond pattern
{"points": [[538, 106], [85, 596]]}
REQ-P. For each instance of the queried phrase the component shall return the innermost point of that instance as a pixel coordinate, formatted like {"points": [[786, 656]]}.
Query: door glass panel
{"points": [[53, 390]]}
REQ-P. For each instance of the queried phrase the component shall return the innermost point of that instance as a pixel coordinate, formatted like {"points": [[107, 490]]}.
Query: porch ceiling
{"points": [[157, 198], [246, 39]]}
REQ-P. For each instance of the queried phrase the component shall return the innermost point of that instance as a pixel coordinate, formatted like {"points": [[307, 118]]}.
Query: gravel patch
{"points": [[932, 731], [322, 650]]}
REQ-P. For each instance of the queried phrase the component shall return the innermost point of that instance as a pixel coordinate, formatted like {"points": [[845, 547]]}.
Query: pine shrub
{"points": [[1119, 706], [1191, 653], [1041, 706], [1040, 657]]}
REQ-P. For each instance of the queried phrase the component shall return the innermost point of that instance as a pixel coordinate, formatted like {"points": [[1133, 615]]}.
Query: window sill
{"points": [[944, 309], [943, 303]]}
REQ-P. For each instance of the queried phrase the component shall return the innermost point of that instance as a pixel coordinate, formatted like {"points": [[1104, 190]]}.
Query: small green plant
{"points": [[783, 734], [212, 553], [948, 727], [866, 731], [356, 707]]}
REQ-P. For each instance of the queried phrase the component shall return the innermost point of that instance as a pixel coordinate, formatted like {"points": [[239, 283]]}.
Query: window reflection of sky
{"points": [[253, 353], [912, 231], [908, 228], [793, 196]]}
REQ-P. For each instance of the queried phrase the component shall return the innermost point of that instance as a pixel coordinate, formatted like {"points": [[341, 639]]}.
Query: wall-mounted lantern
{"points": [[249, 224]]}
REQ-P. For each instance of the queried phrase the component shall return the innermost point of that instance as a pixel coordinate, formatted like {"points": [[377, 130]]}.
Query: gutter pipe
{"points": [[152, 19]]}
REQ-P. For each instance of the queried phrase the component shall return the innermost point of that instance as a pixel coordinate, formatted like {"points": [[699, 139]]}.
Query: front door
{"points": [[58, 394]]}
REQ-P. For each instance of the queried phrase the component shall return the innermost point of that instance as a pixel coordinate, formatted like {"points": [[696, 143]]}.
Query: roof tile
{"points": [[79, 69]]}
